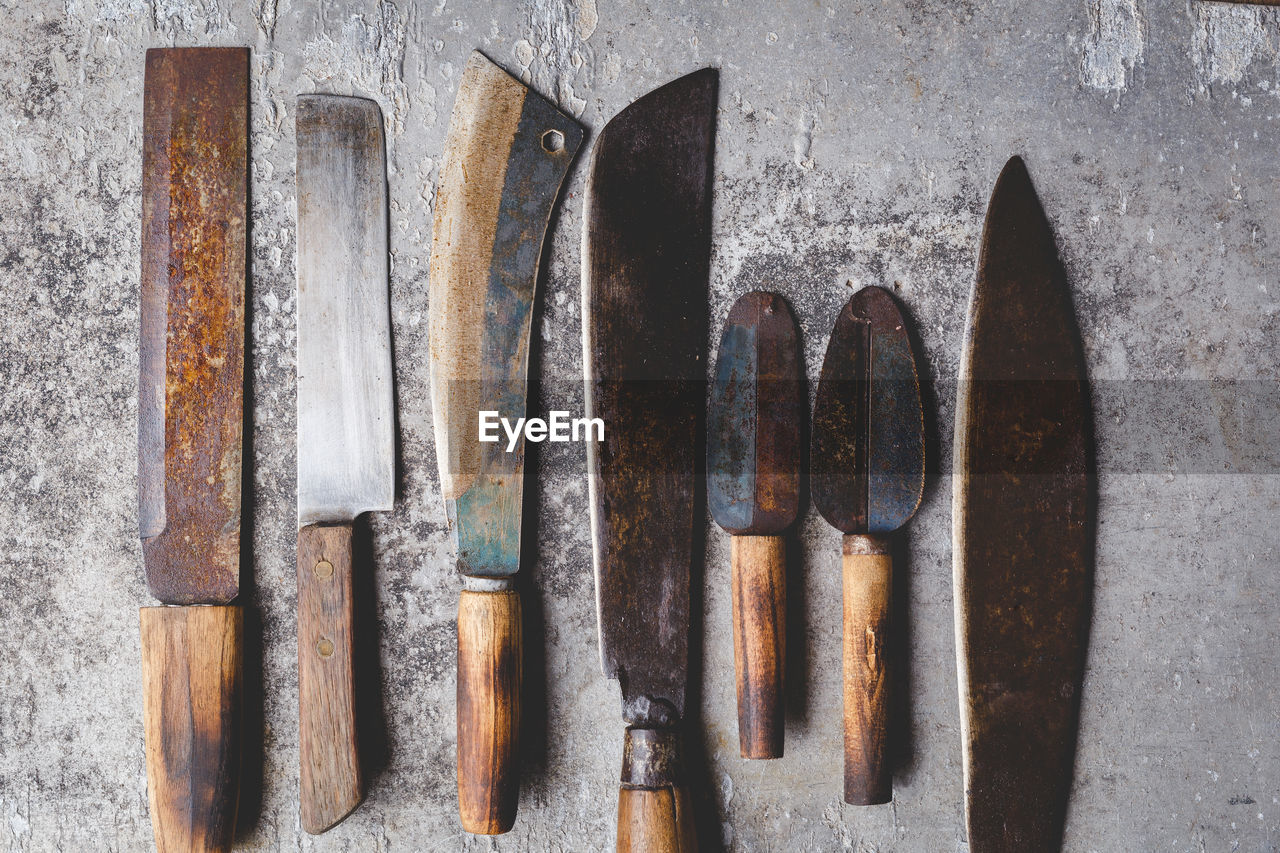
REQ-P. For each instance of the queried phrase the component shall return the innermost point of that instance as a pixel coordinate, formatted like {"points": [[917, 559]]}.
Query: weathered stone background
{"points": [[857, 144]]}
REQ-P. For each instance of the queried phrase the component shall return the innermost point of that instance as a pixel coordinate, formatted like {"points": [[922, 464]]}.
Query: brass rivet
{"points": [[325, 647], [324, 570]]}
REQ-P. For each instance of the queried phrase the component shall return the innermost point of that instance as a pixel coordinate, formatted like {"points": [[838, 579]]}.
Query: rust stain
{"points": [[193, 282]]}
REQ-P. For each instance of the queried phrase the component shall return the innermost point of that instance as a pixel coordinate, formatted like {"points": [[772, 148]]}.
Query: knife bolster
{"points": [[654, 813], [868, 587], [490, 668], [191, 679]]}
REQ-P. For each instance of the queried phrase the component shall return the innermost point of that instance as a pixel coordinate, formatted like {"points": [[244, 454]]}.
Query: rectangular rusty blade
{"points": [[346, 449], [506, 156], [1023, 530], [868, 421], [755, 419], [191, 388], [646, 260]]}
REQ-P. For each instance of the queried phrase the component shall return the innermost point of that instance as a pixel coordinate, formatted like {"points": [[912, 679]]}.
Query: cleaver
{"points": [[190, 422]]}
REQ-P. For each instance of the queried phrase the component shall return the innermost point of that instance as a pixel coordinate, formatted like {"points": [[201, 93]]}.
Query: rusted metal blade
{"points": [[755, 419], [346, 446], [868, 421], [191, 388], [1023, 528], [506, 156], [646, 261]]}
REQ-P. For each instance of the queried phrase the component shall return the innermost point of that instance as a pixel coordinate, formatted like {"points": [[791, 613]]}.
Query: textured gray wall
{"points": [[857, 144]]}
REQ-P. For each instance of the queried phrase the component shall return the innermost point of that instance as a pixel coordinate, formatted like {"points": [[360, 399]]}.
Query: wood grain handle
{"points": [[191, 676], [489, 673], [331, 784], [654, 814], [759, 641], [868, 586]]}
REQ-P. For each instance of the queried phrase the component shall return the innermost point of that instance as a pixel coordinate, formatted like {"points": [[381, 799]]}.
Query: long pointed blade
{"points": [[1023, 530], [868, 421], [191, 389], [755, 419], [645, 265], [346, 446], [506, 156]]}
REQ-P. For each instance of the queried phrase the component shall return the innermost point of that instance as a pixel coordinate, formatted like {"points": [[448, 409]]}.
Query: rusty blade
{"points": [[868, 420], [645, 265], [191, 388], [505, 160], [755, 419], [1023, 528]]}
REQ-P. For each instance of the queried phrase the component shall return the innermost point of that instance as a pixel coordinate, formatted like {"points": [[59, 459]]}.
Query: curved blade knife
{"points": [[867, 480], [507, 153], [1023, 530], [754, 444], [346, 445], [646, 259], [190, 420]]}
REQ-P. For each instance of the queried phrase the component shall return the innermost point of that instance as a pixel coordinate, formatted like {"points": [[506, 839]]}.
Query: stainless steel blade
{"points": [[346, 447]]}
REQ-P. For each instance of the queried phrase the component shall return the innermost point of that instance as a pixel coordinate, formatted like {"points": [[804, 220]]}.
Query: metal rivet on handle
{"points": [[324, 570], [324, 648]]}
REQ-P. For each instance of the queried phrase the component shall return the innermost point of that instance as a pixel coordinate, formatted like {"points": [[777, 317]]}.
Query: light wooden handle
{"points": [[759, 641], [868, 587], [489, 674], [331, 784], [654, 815], [191, 664]]}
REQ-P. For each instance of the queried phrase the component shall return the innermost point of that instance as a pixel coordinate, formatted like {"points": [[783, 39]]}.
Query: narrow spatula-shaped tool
{"points": [[867, 481]]}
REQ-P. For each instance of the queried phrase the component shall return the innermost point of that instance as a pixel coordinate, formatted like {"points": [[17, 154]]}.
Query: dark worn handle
{"points": [[331, 784], [489, 673], [759, 637], [868, 585], [654, 815], [191, 665]]}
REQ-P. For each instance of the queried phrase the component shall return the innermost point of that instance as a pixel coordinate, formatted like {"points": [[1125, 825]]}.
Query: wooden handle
{"points": [[868, 586], [331, 784], [191, 663], [489, 672], [759, 641], [654, 815]]}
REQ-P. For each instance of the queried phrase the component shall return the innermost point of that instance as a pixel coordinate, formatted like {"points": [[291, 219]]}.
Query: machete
{"points": [[754, 443], [646, 261], [346, 446], [867, 481], [190, 422], [506, 156], [1023, 530]]}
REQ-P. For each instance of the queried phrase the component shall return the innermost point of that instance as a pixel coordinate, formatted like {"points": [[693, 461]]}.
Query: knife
{"points": [[754, 428], [190, 420], [506, 155], [346, 442], [646, 261], [867, 480], [1023, 530]]}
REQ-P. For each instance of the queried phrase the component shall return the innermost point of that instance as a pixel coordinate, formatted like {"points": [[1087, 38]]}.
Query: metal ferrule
{"points": [[651, 758]]}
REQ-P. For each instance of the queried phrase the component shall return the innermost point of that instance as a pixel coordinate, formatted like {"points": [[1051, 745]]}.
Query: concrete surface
{"points": [[857, 144]]}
